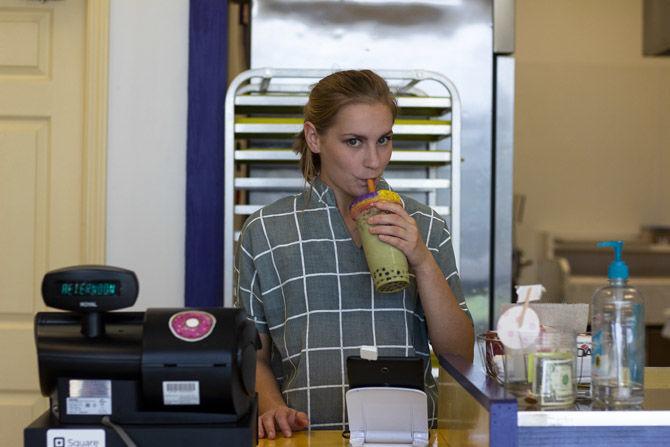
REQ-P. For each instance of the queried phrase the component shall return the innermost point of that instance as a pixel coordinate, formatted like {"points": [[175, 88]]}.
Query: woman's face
{"points": [[355, 148]]}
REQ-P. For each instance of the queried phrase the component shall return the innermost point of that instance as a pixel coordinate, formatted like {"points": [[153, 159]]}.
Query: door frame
{"points": [[95, 120]]}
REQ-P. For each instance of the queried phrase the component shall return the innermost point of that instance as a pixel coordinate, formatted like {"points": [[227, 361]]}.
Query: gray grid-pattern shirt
{"points": [[303, 281]]}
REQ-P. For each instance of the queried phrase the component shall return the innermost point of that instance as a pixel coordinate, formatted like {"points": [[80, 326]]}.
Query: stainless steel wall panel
{"points": [[504, 184], [452, 37], [503, 26]]}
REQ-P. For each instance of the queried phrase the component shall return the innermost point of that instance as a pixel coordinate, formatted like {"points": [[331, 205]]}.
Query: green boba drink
{"points": [[387, 264]]}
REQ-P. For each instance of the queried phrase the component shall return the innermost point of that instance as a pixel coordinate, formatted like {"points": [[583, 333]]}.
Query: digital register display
{"points": [[89, 288]]}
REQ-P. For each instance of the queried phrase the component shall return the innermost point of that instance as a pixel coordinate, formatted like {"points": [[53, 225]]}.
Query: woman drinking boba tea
{"points": [[302, 276]]}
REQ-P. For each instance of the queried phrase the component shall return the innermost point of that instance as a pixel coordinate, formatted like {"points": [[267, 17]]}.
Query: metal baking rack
{"points": [[263, 112]]}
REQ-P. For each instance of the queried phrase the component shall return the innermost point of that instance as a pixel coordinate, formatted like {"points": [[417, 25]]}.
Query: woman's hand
{"points": [[282, 418], [395, 227], [449, 328]]}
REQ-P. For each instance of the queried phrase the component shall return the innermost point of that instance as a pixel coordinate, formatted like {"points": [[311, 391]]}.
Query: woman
{"points": [[301, 273]]}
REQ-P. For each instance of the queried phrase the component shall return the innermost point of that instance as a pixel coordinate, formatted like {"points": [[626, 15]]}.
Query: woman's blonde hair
{"points": [[328, 97]]}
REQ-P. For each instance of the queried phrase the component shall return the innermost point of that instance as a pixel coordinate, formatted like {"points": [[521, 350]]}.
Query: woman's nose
{"points": [[372, 159]]}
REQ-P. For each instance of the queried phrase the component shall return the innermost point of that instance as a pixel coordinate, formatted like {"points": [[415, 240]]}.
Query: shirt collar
{"points": [[322, 193]]}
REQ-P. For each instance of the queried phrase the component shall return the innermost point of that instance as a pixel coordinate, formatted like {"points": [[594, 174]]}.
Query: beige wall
{"points": [[237, 62], [592, 149]]}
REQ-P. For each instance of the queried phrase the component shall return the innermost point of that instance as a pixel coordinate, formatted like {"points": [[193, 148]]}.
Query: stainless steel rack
{"points": [[263, 112]]}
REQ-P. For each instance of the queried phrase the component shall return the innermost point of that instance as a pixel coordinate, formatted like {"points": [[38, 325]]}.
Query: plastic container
{"points": [[617, 326], [584, 365], [543, 373], [552, 371], [491, 353], [515, 371]]}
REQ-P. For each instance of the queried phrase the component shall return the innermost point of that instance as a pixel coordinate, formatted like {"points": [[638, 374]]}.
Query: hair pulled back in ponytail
{"points": [[328, 97]]}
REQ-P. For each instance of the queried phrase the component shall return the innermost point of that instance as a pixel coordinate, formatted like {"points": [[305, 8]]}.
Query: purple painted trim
{"points": [[503, 431], [207, 83]]}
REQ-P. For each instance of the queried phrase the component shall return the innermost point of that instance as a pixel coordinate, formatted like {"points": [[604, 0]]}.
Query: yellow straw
{"points": [[371, 185]]}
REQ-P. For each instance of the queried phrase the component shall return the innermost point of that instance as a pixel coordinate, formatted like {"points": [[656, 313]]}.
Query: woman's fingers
{"points": [[297, 420], [267, 424], [392, 230], [261, 431], [387, 220], [394, 209], [286, 419], [395, 227], [300, 420], [282, 417], [292, 419]]}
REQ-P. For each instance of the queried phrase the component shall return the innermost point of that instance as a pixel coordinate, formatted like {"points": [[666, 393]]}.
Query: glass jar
{"points": [[552, 369]]}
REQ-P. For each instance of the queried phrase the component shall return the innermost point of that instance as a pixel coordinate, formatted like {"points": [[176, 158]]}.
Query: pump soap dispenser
{"points": [[617, 326]]}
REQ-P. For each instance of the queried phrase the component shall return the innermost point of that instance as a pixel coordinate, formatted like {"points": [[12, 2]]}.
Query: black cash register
{"points": [[164, 377]]}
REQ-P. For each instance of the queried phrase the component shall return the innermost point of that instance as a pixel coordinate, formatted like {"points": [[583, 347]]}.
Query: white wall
{"points": [[592, 137], [147, 145], [592, 150]]}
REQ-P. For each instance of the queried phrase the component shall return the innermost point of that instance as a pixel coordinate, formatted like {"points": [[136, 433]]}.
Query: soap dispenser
{"points": [[617, 327]]}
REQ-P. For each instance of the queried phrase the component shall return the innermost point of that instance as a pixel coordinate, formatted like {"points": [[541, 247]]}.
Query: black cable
{"points": [[127, 440]]}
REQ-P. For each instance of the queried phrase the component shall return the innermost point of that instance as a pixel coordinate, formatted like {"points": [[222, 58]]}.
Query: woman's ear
{"points": [[311, 137]]}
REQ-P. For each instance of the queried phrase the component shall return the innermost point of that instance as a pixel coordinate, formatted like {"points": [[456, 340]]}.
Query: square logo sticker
{"points": [[68, 438]]}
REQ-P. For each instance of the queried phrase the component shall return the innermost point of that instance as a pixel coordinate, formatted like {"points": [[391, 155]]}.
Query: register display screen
{"points": [[89, 288]]}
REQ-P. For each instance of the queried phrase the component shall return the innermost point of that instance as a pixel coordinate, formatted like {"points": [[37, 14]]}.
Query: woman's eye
{"points": [[384, 140], [353, 142]]}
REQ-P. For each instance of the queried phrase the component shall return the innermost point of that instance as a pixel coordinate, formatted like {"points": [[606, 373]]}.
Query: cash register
{"points": [[164, 377]]}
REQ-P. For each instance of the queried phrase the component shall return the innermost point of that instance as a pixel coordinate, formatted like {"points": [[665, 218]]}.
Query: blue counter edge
{"points": [[483, 388], [503, 410]]}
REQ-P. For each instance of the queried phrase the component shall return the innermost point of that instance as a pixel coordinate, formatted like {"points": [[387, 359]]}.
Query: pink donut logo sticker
{"points": [[192, 325]]}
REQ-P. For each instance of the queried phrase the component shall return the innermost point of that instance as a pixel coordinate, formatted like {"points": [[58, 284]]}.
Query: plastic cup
{"points": [[516, 371], [491, 355], [388, 265]]}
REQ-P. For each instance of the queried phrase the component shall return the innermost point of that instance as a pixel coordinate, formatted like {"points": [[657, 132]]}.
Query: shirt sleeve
{"points": [[246, 287], [443, 252]]}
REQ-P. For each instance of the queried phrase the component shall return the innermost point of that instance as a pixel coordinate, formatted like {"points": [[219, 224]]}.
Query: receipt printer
{"points": [[164, 377]]}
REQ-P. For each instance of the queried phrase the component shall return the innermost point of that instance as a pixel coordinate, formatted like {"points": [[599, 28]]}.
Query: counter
{"points": [[475, 410], [333, 438]]}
